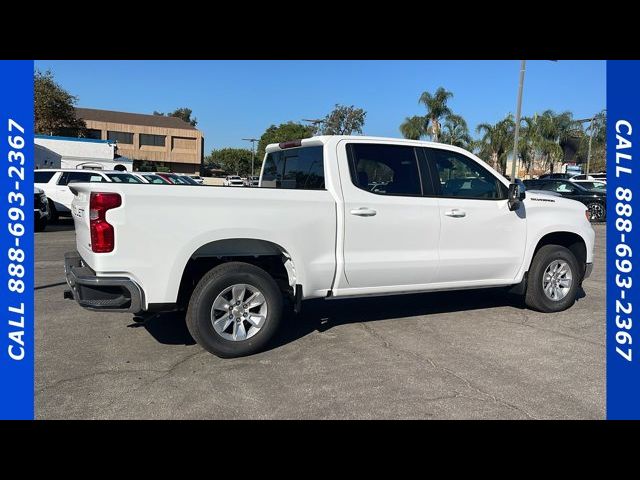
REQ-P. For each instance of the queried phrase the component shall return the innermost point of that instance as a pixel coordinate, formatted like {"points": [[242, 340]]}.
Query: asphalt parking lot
{"points": [[454, 355]]}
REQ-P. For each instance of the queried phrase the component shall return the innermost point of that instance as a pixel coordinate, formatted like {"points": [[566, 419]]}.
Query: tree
{"points": [[528, 142], [54, 108], [183, 113], [343, 120], [282, 133], [495, 142], [413, 128], [235, 161], [437, 108], [455, 131]]}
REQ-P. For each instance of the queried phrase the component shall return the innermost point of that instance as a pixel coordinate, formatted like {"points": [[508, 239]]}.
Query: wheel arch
{"points": [[267, 255], [571, 240]]}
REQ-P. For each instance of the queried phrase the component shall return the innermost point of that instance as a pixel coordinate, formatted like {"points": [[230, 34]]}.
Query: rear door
{"points": [[391, 224], [481, 240]]}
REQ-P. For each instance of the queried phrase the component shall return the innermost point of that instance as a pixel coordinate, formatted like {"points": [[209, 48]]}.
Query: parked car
{"points": [[324, 234], [596, 185], [233, 181], [123, 177], [596, 201], [252, 181], [600, 176], [54, 183], [174, 178], [148, 177], [187, 178], [556, 176], [580, 177], [197, 178], [40, 209]]}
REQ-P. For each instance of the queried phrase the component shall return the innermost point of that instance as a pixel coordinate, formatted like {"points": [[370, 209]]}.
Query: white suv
{"points": [[233, 181]]}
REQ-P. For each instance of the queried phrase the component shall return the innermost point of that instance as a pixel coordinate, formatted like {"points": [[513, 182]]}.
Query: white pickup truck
{"points": [[335, 216]]}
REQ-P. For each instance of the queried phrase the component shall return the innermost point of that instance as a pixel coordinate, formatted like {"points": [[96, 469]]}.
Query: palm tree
{"points": [[496, 141], [529, 142], [413, 128], [455, 131], [436, 109], [559, 128]]}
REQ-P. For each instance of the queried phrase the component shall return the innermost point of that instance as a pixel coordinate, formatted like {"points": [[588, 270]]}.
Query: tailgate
{"points": [[80, 215]]}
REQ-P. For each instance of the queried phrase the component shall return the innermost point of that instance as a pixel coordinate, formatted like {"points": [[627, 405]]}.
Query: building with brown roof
{"points": [[151, 141]]}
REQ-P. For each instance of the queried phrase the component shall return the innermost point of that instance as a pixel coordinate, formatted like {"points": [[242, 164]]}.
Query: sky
{"points": [[240, 99]]}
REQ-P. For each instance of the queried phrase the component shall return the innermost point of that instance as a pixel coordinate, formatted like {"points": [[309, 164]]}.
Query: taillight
{"points": [[102, 234]]}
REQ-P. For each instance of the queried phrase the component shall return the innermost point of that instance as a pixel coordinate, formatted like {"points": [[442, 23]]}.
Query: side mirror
{"points": [[516, 194]]}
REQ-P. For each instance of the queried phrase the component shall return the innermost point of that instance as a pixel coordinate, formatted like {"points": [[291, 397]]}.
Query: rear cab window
{"points": [[299, 168]]}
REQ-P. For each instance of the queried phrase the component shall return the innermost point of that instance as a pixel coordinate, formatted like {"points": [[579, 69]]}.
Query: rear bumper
{"points": [[116, 294]]}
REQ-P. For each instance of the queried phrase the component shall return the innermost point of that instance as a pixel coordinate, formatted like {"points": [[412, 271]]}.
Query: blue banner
{"points": [[623, 251], [16, 240]]}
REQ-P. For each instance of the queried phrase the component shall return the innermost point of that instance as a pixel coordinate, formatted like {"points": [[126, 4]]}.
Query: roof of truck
{"points": [[323, 139]]}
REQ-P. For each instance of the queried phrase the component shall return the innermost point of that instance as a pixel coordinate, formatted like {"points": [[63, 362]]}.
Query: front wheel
{"points": [[234, 310], [553, 280]]}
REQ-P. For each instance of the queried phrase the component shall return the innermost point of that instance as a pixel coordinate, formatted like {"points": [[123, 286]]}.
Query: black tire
{"points": [[535, 297], [199, 320], [598, 211], [53, 213], [40, 224]]}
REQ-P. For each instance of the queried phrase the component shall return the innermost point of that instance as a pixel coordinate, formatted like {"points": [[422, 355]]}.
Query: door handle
{"points": [[456, 213], [363, 212]]}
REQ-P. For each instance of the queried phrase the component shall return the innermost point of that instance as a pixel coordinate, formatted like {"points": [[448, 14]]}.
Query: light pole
{"points": [[253, 155], [316, 122], [523, 66]]}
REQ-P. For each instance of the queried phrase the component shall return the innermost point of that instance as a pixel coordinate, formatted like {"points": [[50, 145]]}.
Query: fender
{"points": [[540, 234]]}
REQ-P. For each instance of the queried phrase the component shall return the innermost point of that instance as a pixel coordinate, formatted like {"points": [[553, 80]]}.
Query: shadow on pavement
{"points": [[62, 225], [167, 328], [321, 315]]}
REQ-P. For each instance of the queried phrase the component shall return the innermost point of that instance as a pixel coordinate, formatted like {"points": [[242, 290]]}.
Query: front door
{"points": [[481, 240]]}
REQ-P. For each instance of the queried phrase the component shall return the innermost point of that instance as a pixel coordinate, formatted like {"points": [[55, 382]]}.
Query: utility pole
{"points": [[589, 151], [253, 150], [523, 66]]}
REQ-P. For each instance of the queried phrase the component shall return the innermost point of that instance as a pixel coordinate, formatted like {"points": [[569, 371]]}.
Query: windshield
{"points": [[123, 178], [188, 180], [155, 179], [176, 179]]}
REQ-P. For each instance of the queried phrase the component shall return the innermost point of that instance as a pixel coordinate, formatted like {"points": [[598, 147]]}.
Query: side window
{"points": [[384, 169], [296, 168], [558, 186], [460, 176]]}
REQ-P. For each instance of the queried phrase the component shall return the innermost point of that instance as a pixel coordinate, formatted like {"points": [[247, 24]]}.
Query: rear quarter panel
{"points": [[159, 227]]}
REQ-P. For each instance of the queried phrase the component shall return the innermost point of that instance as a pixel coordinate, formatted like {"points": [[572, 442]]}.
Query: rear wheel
{"points": [[234, 310], [553, 280]]}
